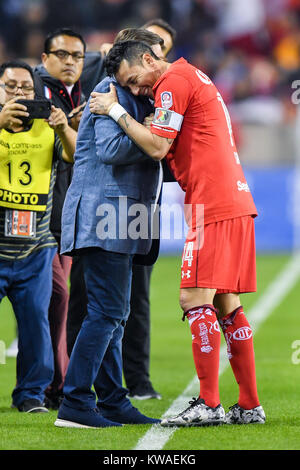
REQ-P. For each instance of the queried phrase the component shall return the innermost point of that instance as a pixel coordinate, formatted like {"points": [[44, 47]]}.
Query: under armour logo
{"points": [[186, 274]]}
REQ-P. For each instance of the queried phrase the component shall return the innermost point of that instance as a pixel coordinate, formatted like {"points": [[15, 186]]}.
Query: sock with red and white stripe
{"points": [[206, 339], [240, 350]]}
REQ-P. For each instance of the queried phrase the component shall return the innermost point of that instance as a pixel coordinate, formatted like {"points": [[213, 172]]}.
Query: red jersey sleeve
{"points": [[172, 95]]}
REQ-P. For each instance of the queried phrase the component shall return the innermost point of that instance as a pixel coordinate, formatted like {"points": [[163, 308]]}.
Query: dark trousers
{"points": [[136, 340], [58, 311], [77, 309], [96, 358]]}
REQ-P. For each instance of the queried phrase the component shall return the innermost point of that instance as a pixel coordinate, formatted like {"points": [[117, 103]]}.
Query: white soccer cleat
{"points": [[197, 414], [238, 415]]}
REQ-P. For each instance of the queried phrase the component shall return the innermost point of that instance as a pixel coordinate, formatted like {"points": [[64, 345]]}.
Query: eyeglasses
{"points": [[13, 88], [64, 55]]}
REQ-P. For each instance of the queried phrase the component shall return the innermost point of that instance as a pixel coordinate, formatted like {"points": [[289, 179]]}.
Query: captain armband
{"points": [[167, 118]]}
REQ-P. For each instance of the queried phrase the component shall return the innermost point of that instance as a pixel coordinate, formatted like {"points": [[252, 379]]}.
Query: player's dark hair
{"points": [[16, 64], [162, 24], [61, 32], [139, 34], [132, 51]]}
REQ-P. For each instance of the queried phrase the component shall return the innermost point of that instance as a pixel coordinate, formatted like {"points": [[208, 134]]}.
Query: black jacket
{"points": [[93, 72], [49, 87]]}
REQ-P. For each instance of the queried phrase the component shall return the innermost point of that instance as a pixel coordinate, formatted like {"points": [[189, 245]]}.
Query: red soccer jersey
{"points": [[203, 157]]}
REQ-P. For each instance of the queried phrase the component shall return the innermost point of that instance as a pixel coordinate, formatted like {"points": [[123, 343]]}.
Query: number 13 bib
{"points": [[25, 167]]}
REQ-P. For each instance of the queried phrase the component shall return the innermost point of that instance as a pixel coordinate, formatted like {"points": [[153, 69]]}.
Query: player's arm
{"points": [[153, 145]]}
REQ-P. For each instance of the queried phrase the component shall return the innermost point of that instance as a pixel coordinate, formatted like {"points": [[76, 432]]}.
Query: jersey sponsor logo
{"points": [[166, 99], [243, 187], [242, 333]]}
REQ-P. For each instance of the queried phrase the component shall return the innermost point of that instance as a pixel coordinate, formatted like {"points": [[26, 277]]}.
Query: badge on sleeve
{"points": [[167, 118], [166, 99]]}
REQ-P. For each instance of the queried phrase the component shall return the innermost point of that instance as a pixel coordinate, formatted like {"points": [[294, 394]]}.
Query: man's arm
{"points": [[153, 145], [66, 134]]}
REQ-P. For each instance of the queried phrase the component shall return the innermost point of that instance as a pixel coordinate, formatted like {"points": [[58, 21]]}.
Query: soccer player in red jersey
{"points": [[192, 130]]}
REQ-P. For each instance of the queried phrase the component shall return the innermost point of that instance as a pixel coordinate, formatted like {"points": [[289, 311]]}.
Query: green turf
{"points": [[171, 370]]}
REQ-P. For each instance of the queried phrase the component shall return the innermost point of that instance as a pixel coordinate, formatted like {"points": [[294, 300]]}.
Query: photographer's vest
{"points": [[25, 167]]}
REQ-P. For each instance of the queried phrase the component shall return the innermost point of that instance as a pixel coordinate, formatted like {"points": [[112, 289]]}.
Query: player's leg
{"points": [[196, 300], [197, 305], [240, 350], [233, 321], [77, 308]]}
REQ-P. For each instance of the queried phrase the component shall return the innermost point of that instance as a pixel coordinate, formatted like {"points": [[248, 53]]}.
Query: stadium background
{"points": [[251, 50]]}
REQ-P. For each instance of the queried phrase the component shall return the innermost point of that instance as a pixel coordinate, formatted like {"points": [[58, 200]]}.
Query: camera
{"points": [[37, 109]]}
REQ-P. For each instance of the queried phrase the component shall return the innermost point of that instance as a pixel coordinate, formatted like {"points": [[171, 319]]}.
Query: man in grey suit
{"points": [[113, 181]]}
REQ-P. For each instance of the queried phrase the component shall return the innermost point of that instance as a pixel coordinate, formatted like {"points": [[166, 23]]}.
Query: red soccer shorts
{"points": [[221, 256]]}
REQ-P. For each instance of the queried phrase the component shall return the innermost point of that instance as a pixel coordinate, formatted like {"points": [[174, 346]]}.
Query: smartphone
{"points": [[37, 109]]}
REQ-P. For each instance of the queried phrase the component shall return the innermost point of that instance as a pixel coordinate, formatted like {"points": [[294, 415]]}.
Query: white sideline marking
{"points": [[157, 436]]}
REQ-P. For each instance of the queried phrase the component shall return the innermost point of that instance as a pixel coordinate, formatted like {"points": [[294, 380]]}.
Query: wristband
{"points": [[116, 112]]}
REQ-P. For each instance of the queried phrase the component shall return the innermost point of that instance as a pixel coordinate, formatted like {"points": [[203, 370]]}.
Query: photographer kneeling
{"points": [[31, 144]]}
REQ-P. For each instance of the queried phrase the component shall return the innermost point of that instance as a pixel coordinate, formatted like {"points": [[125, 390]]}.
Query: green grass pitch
{"points": [[171, 370]]}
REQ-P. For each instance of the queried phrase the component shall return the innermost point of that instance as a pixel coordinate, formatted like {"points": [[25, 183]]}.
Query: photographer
{"points": [[29, 152], [58, 78]]}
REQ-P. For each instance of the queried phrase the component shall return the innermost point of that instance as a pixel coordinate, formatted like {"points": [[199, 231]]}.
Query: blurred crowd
{"points": [[250, 48]]}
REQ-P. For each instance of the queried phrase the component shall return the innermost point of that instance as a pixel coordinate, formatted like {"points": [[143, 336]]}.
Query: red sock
{"points": [[206, 351], [238, 335]]}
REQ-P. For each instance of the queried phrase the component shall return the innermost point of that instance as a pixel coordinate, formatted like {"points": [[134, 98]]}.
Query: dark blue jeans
{"points": [[96, 358], [28, 285]]}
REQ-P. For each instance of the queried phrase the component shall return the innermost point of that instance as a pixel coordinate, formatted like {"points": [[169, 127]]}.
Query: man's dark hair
{"points": [[139, 34], [16, 64], [61, 32], [132, 51], [162, 24]]}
